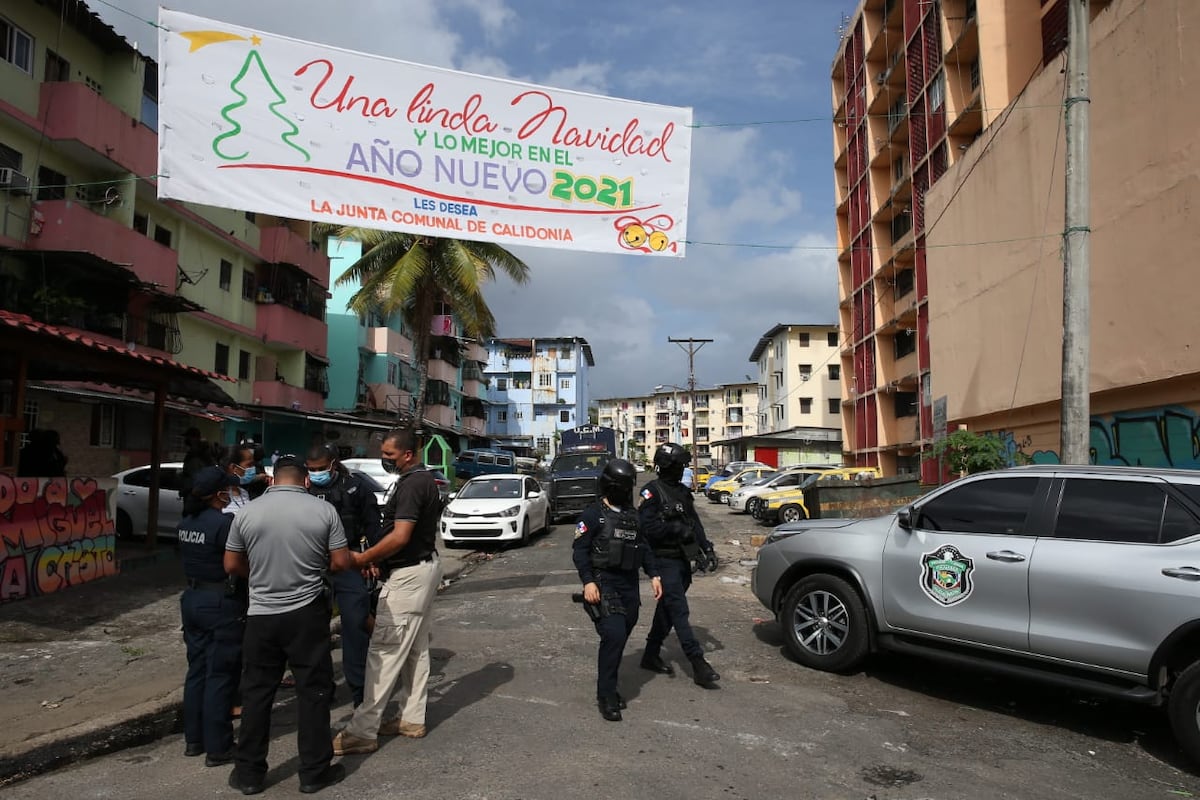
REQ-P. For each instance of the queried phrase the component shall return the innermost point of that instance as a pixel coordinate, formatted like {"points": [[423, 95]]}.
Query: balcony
{"points": [[476, 352], [70, 111], [472, 387], [281, 325], [441, 415], [386, 341], [388, 398], [473, 425], [441, 371], [73, 227], [283, 395], [281, 245]]}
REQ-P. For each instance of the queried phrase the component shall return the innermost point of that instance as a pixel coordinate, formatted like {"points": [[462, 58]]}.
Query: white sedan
{"points": [[133, 500], [496, 508], [785, 479]]}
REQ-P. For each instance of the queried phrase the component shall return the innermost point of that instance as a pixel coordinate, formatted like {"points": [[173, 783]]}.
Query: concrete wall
{"points": [[996, 326]]}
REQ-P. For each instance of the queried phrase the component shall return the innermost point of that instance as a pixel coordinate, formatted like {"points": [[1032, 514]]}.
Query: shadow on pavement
{"points": [[446, 700]]}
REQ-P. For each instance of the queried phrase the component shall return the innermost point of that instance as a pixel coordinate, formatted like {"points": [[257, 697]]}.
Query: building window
{"points": [[16, 46], [805, 372], [31, 420], [564, 416], [104, 423], [9, 158], [248, 281], [545, 380], [250, 216], [393, 372], [221, 360], [141, 224], [831, 338], [501, 384], [937, 91], [906, 343], [566, 354], [806, 405], [802, 339], [57, 68], [906, 404], [243, 365], [835, 406], [52, 185], [899, 169], [162, 235], [564, 383], [501, 416], [226, 275], [835, 372], [543, 444]]}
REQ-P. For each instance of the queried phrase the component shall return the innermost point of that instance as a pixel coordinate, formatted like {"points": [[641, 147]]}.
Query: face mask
{"points": [[248, 475], [389, 466], [321, 478]]}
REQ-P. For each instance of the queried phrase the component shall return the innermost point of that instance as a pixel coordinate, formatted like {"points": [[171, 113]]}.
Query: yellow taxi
{"points": [[787, 505], [720, 490]]}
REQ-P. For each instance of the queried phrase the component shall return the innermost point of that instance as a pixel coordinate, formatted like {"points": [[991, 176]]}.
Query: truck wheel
{"points": [[1183, 709], [792, 513], [825, 624]]}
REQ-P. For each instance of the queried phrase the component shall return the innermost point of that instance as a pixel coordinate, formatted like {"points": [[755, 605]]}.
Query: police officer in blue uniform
{"points": [[608, 550], [359, 512], [213, 608], [668, 517]]}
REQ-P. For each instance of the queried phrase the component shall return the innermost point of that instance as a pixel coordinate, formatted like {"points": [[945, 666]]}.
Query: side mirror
{"points": [[452, 495], [532, 495], [904, 518]]}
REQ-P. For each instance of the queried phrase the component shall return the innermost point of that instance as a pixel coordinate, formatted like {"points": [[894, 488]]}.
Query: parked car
{"points": [[719, 491], [496, 508], [728, 471], [484, 461], [787, 504], [1084, 577], [373, 469], [133, 498], [783, 479]]}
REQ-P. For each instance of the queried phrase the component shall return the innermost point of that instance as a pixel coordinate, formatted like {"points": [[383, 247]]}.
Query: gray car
{"points": [[1087, 577]]}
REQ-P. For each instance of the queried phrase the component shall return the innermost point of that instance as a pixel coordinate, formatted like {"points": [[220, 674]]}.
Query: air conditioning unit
{"points": [[15, 182]]}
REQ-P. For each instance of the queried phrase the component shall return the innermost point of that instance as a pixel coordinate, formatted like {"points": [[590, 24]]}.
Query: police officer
{"points": [[359, 512], [608, 549], [214, 615], [668, 517]]}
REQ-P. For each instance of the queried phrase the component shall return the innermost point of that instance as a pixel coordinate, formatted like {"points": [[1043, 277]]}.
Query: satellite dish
{"points": [[111, 196]]}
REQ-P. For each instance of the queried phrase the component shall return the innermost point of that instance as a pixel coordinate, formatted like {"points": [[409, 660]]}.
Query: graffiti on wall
{"points": [[54, 533], [1168, 436]]}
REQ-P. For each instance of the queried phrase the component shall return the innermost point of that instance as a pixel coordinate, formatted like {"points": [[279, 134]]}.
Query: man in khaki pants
{"points": [[398, 658]]}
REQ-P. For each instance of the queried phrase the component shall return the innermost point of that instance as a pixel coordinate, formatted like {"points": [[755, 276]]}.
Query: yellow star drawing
{"points": [[256, 40], [200, 39]]}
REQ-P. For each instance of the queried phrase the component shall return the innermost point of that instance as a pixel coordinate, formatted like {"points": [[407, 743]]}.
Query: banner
{"points": [[264, 123]]}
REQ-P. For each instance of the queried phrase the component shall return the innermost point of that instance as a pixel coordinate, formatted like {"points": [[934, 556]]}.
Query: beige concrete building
{"points": [[915, 85], [996, 310], [721, 413]]}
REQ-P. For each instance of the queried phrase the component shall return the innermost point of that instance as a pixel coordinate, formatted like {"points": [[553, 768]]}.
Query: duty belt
{"points": [[213, 586], [410, 562]]}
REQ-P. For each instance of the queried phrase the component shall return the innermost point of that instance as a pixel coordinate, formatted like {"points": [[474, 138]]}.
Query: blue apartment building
{"points": [[535, 389]]}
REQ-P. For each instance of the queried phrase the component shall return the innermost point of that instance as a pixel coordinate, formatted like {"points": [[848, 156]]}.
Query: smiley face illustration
{"points": [[659, 241]]}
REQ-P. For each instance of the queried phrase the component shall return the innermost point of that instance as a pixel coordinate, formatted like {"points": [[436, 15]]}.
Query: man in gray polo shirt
{"points": [[284, 542]]}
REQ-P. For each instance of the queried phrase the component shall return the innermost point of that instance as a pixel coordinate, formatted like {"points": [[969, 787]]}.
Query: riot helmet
{"points": [[670, 459], [617, 481]]}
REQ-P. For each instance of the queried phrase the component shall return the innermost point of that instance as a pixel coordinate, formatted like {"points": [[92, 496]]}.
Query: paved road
{"points": [[512, 716]]}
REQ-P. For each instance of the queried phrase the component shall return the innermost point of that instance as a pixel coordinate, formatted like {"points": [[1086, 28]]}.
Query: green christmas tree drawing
{"points": [[255, 60]]}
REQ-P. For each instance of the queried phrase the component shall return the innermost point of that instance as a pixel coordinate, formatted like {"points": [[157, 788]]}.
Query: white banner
{"points": [[258, 122]]}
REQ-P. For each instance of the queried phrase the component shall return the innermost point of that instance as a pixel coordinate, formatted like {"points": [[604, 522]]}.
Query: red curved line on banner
{"points": [[383, 181]]}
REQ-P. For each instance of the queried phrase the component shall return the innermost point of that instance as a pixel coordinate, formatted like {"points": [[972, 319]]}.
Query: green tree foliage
{"points": [[967, 452]]}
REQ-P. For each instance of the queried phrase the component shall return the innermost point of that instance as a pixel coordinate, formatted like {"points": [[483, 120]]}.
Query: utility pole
{"points": [[692, 347], [1076, 406]]}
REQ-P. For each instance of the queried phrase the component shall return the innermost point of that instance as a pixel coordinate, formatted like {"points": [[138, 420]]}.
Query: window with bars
{"points": [[226, 279], [16, 46]]}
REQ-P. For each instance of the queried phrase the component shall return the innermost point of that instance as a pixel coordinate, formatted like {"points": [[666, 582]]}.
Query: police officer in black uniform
{"points": [[608, 549], [213, 607], [359, 512], [668, 517]]}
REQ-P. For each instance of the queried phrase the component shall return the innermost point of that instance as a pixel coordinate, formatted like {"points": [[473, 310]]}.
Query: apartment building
{"points": [[996, 317], [721, 417], [535, 389], [374, 371], [85, 244], [915, 84]]}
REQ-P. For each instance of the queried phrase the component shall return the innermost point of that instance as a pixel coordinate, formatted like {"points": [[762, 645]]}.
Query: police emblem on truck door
{"points": [[946, 575]]}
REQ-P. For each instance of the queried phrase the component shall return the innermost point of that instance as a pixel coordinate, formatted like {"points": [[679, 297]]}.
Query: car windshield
{"points": [[810, 480], [367, 479], [493, 488], [578, 462], [369, 466], [765, 479]]}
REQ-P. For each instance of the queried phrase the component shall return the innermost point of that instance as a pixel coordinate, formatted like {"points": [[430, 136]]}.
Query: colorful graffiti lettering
{"points": [[1167, 436], [54, 533]]}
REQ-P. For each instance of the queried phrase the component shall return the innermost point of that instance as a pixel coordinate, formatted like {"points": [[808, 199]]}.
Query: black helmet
{"points": [[617, 481], [671, 454]]}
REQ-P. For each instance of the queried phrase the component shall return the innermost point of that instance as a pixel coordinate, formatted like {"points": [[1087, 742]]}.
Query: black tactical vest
{"points": [[337, 495], [616, 546]]}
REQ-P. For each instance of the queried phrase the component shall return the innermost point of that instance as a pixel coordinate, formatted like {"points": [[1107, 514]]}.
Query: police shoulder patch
{"points": [[581, 529], [647, 494]]}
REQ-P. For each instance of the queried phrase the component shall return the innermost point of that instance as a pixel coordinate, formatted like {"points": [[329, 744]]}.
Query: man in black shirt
{"points": [[406, 555]]}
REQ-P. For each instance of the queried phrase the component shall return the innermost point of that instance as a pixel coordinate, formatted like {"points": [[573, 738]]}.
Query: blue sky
{"points": [[753, 61]]}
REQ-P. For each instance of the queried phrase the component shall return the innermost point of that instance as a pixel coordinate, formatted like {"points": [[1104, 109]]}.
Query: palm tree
{"points": [[417, 275]]}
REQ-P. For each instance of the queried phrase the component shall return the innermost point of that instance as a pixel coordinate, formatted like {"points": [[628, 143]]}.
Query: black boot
{"points": [[621, 702], [703, 673], [653, 662], [610, 708]]}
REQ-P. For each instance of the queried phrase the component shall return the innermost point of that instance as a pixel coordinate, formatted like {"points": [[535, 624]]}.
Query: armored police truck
{"points": [[582, 454]]}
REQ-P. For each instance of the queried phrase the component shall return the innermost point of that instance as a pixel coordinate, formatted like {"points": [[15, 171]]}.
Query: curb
{"points": [[130, 727]]}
